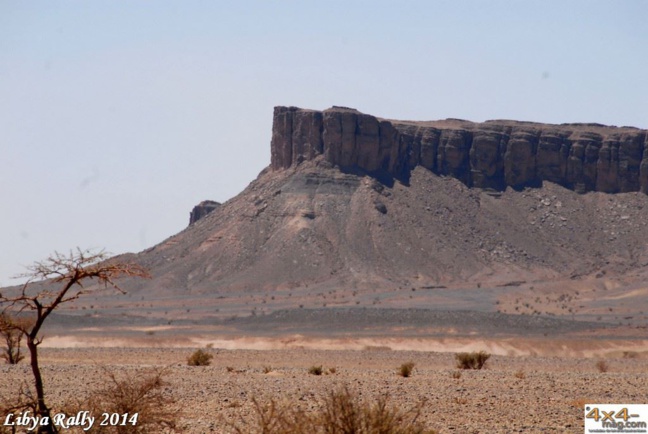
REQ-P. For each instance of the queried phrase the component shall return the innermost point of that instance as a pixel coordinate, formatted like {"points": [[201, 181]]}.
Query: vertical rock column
{"points": [[631, 149], [487, 158], [281, 145], [582, 161], [306, 135], [520, 158]]}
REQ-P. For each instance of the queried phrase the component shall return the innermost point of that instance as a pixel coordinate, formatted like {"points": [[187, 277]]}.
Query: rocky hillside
{"points": [[314, 226], [351, 201]]}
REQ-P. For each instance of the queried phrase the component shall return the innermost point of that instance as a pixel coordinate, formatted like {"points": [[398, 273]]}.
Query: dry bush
{"points": [[315, 370], [340, 412], [580, 402], [406, 369], [456, 375], [630, 354], [520, 374], [23, 400], [602, 366], [10, 331], [474, 360], [142, 393], [273, 418], [200, 358], [267, 369], [332, 370]]}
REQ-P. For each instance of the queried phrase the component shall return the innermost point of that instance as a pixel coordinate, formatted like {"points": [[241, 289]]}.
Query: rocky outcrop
{"points": [[492, 155], [346, 137], [202, 209]]}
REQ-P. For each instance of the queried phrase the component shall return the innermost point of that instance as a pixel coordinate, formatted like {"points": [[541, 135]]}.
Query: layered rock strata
{"points": [[490, 155]]}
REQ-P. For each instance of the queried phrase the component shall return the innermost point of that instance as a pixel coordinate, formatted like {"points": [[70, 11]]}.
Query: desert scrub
{"points": [[474, 360], [602, 366], [200, 358], [315, 370], [340, 411], [406, 369], [10, 332], [143, 395]]}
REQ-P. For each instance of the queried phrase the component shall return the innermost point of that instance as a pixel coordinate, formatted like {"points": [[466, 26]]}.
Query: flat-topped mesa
{"points": [[492, 154]]}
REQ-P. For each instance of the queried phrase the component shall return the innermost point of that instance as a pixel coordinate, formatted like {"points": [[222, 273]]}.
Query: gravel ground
{"points": [[513, 394]]}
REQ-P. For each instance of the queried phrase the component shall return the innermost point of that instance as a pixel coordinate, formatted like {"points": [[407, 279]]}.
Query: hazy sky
{"points": [[117, 117]]}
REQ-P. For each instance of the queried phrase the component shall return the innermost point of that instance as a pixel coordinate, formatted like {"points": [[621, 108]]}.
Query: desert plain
{"points": [[534, 382]]}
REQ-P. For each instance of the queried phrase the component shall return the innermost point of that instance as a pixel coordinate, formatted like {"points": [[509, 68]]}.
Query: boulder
{"points": [[202, 209]]}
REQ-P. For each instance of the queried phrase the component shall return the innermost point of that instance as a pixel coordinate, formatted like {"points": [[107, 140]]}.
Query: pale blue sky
{"points": [[116, 117]]}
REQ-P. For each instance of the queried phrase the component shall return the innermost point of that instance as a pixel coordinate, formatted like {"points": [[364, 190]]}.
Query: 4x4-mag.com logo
{"points": [[616, 418]]}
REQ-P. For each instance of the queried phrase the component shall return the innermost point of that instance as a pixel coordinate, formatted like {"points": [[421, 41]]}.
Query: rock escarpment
{"points": [[491, 155]]}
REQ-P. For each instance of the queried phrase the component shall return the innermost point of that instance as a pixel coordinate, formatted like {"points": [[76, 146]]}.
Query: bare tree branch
{"points": [[69, 273]]}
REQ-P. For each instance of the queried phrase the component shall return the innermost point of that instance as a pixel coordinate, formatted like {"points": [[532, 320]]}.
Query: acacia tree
{"points": [[69, 275]]}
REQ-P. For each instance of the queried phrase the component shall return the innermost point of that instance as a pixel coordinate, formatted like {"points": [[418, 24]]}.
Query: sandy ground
{"points": [[575, 347], [530, 393]]}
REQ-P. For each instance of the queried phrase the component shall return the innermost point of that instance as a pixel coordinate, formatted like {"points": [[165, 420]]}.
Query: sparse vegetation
{"points": [[473, 360], [602, 366], [23, 400], [520, 374], [315, 370], [200, 358], [143, 394], [406, 369], [35, 305], [341, 411], [12, 336]]}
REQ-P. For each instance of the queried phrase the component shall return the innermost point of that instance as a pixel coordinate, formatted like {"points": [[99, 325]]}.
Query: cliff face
{"points": [[493, 154]]}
